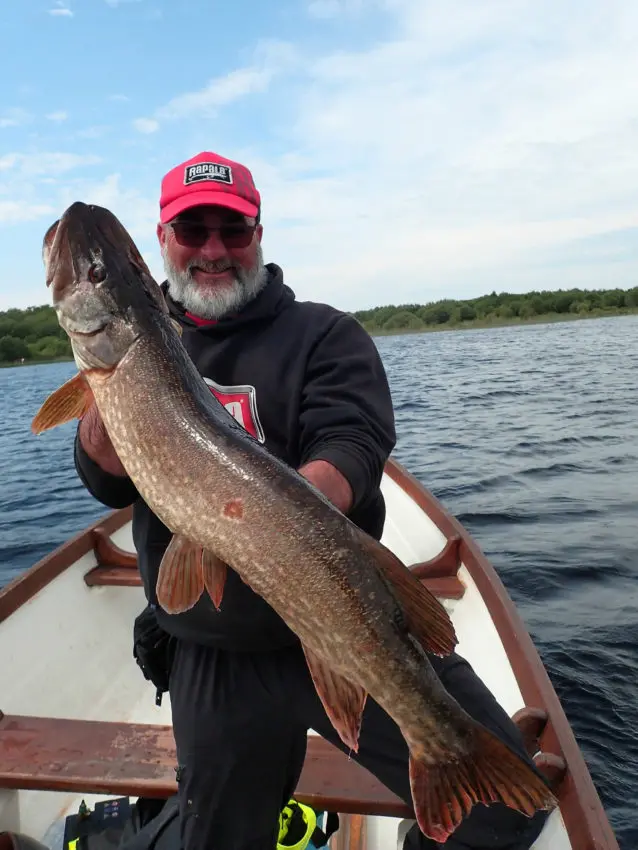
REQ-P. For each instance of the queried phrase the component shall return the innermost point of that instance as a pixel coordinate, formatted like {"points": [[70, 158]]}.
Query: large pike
{"points": [[363, 619]]}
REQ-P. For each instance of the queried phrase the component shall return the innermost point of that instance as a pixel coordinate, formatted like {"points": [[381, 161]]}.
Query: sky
{"points": [[406, 150]]}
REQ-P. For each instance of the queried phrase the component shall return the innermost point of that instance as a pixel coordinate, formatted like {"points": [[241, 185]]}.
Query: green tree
{"points": [[12, 348], [405, 320]]}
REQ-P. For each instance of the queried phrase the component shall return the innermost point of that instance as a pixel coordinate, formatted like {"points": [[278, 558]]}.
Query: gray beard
{"points": [[215, 302]]}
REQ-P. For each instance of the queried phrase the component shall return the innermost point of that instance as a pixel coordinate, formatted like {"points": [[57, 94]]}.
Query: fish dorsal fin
{"points": [[342, 700], [68, 402], [427, 620]]}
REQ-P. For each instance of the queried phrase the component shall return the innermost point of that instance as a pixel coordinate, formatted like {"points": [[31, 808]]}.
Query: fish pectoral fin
{"points": [[342, 700], [70, 401], [489, 772], [180, 581], [215, 571], [427, 620]]}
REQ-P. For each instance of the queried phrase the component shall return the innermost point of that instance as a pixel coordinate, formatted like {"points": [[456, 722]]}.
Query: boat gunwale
{"points": [[585, 818], [581, 807], [26, 585]]}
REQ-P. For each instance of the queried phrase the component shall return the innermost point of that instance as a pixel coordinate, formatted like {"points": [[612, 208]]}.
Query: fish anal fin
{"points": [[342, 700], [68, 402], [443, 794], [426, 617], [180, 581], [214, 572]]}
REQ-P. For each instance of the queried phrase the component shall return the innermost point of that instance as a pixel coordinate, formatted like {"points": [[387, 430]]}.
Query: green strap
{"points": [[298, 827]]}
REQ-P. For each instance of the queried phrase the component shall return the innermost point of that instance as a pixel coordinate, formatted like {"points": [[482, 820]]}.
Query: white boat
{"points": [[79, 721]]}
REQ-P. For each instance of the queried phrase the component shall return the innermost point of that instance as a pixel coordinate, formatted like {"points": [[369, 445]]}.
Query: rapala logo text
{"points": [[208, 171]]}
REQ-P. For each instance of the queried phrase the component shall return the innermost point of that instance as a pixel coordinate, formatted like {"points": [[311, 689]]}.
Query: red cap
{"points": [[208, 178]]}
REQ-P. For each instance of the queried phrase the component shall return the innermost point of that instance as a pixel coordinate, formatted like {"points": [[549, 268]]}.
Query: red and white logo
{"points": [[241, 402]]}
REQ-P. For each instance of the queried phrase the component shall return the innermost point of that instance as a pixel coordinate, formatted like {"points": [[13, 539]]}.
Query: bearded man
{"points": [[305, 380]]}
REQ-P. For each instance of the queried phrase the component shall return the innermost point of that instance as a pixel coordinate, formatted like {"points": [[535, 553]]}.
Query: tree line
{"points": [[499, 308], [33, 334]]}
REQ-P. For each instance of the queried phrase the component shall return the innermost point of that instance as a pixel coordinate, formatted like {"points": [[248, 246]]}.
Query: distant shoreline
{"points": [[36, 362], [514, 321]]}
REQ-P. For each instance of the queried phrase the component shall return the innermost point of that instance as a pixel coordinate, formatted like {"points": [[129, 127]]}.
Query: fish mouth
{"points": [[83, 328], [86, 334]]}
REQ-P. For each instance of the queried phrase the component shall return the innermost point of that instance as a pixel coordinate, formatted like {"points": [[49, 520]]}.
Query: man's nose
{"points": [[214, 247]]}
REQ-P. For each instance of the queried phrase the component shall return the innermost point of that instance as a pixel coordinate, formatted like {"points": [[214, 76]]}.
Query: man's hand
{"points": [[97, 443], [330, 481]]}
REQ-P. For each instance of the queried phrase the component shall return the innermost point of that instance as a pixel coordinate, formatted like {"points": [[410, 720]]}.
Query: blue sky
{"points": [[406, 150]]}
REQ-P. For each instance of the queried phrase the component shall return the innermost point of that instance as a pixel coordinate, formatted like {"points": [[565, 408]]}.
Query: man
{"points": [[306, 380]]}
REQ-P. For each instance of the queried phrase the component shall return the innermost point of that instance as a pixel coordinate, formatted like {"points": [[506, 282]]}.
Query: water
{"points": [[529, 436]]}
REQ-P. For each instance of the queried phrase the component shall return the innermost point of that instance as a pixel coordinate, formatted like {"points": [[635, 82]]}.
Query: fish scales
{"points": [[188, 485]]}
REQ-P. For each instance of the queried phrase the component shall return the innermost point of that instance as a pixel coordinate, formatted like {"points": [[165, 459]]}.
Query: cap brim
{"points": [[198, 199]]}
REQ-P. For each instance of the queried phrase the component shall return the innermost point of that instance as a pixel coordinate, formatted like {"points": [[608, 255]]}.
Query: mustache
{"points": [[212, 266]]}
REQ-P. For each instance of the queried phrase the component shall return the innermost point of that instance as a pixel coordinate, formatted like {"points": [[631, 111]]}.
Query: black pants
{"points": [[240, 723]]}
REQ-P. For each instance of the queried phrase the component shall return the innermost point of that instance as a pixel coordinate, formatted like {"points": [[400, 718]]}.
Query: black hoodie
{"points": [[307, 381]]}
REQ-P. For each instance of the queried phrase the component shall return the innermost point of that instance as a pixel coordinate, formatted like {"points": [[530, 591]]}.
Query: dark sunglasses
{"points": [[194, 234]]}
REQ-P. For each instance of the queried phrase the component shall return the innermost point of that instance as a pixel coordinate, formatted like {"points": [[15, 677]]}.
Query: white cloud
{"points": [[29, 183], [95, 131], [146, 125], [458, 152], [9, 160], [325, 9], [138, 213], [58, 117], [44, 163], [61, 10], [271, 59], [14, 212], [14, 118], [219, 92]]}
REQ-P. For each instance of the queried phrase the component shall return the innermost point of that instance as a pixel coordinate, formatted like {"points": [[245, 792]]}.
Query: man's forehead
{"points": [[209, 214]]}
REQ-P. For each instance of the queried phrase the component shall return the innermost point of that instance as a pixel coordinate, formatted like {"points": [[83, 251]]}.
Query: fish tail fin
{"points": [[180, 581], [443, 794]]}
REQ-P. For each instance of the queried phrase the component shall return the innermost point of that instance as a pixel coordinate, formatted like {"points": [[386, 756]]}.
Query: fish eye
{"points": [[97, 273]]}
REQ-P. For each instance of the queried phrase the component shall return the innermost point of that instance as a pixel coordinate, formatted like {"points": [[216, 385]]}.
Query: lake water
{"points": [[529, 435]]}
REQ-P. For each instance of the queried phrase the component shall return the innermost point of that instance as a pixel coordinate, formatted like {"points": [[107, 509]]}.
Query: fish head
{"points": [[102, 290]]}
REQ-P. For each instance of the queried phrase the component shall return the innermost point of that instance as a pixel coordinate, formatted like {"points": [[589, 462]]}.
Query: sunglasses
{"points": [[194, 234]]}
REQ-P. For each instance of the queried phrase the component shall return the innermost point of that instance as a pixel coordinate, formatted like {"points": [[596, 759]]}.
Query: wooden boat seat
{"points": [[129, 759], [118, 568]]}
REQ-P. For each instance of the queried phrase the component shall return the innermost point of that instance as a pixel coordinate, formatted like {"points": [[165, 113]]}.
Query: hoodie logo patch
{"points": [[241, 402]]}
